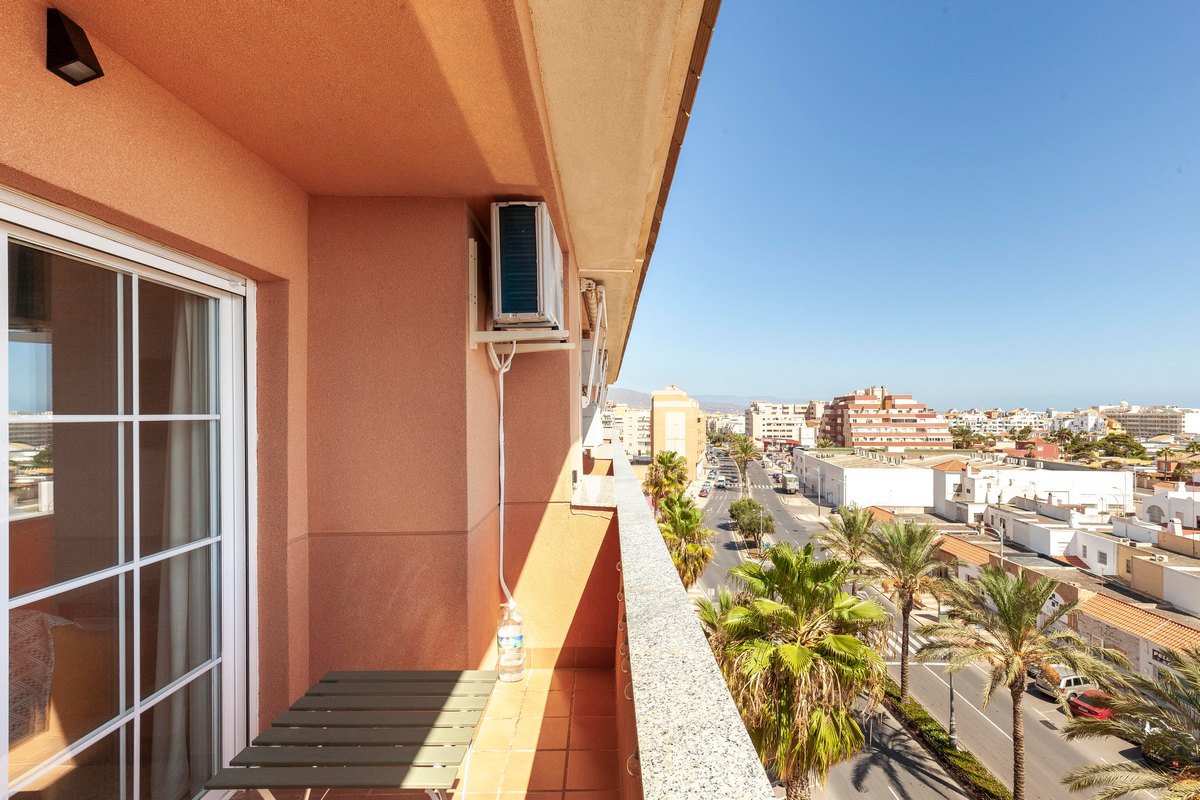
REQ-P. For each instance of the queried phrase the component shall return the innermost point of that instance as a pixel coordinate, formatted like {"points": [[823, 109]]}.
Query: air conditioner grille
{"points": [[519, 259]]}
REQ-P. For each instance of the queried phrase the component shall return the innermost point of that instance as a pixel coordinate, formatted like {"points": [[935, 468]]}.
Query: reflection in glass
{"points": [[177, 741], [176, 618], [178, 494], [64, 661], [62, 334], [101, 772], [63, 501], [174, 334]]}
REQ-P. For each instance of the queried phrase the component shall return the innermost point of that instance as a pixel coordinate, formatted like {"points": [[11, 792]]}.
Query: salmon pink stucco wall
{"points": [[125, 151]]}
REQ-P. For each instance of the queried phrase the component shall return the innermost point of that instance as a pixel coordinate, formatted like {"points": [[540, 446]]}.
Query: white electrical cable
{"points": [[502, 366]]}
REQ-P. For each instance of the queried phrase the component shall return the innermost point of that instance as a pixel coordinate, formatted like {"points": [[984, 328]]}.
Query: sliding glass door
{"points": [[125, 545]]}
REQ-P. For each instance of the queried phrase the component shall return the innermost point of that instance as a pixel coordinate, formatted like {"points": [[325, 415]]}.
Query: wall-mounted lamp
{"points": [[69, 55]]}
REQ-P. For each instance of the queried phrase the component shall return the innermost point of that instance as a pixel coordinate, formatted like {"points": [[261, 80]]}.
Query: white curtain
{"points": [[181, 752]]}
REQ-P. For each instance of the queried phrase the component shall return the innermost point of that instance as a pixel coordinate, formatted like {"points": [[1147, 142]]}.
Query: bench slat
{"points": [[349, 756], [389, 703], [334, 777], [440, 688], [363, 736], [474, 675], [377, 719]]}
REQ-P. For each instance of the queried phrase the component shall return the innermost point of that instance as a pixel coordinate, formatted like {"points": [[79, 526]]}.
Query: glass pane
{"points": [[176, 618], [177, 485], [174, 344], [62, 334], [64, 662], [63, 501], [102, 772], [177, 741]]}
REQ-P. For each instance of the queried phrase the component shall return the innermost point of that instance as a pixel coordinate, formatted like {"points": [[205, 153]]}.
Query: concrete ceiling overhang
{"points": [[582, 103], [618, 80]]}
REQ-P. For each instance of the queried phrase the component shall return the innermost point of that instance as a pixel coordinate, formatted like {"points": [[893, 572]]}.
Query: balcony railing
{"points": [[690, 741]]}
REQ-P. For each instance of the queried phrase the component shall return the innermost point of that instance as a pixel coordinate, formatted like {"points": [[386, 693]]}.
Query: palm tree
{"points": [[907, 563], [682, 526], [1163, 715], [743, 450], [1193, 448], [1166, 454], [1006, 623], [666, 476], [847, 536], [824, 443], [964, 437], [789, 648]]}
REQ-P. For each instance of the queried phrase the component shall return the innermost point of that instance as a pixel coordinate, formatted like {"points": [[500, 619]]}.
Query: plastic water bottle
{"points": [[510, 644]]}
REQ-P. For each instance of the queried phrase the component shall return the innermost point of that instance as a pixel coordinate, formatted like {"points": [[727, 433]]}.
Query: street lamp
{"points": [[952, 728]]}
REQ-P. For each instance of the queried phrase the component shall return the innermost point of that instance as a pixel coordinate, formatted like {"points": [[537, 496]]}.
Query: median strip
{"points": [[964, 767]]}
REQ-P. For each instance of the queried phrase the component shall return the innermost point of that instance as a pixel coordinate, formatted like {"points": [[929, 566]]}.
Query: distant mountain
{"points": [[720, 403], [628, 397]]}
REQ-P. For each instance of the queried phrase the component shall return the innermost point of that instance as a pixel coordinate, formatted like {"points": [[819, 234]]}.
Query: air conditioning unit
{"points": [[527, 267]]}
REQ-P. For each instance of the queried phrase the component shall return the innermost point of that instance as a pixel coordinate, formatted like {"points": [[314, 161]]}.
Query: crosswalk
{"points": [[894, 640]]}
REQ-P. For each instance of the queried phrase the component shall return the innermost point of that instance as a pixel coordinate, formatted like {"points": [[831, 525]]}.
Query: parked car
{"points": [[1090, 704], [1160, 757], [704, 492], [1057, 680]]}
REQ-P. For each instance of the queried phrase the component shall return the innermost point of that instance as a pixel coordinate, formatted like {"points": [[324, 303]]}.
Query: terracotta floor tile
{"points": [[543, 770], [561, 680], [601, 680], [592, 769], [486, 772], [593, 733], [496, 733], [558, 704], [592, 794], [504, 705], [594, 704], [541, 733], [530, 796]]}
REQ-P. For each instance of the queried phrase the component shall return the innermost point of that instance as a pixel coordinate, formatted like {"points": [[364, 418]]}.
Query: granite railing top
{"points": [[691, 740]]}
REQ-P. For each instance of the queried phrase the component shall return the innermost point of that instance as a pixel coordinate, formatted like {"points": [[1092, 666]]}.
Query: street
{"points": [[894, 763]]}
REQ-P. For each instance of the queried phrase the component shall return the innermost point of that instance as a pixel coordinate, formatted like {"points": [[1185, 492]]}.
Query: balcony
{"points": [[658, 723]]}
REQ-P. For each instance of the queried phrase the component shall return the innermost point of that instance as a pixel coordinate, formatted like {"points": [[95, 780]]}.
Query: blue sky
{"points": [[976, 203]]}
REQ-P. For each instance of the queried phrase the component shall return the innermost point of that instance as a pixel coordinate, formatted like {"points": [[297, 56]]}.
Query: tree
{"points": [[682, 526], [964, 437], [788, 644], [1166, 454], [1024, 630], [1192, 448], [1163, 715], [44, 458], [1062, 436], [906, 553], [751, 520], [666, 476], [743, 450], [1025, 432], [824, 443], [1122, 445], [847, 536]]}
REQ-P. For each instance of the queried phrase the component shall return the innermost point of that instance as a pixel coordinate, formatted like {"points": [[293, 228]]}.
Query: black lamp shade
{"points": [[69, 55]]}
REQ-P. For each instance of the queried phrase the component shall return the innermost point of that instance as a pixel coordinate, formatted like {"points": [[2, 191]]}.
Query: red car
{"points": [[704, 492], [1090, 704]]}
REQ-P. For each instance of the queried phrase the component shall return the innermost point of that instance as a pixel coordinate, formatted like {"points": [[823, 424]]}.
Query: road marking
{"points": [[972, 705], [893, 791]]}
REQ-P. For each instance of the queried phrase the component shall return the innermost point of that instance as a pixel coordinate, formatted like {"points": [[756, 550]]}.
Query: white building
{"points": [[1179, 501], [727, 423], [955, 485], [1143, 422], [633, 425], [992, 424], [775, 420]]}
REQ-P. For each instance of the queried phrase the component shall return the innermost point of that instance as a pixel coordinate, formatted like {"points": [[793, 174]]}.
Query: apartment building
{"points": [[1088, 422], [632, 425], [775, 421], [253, 254], [964, 488], [720, 422], [678, 424], [990, 423], [874, 417], [1144, 422]]}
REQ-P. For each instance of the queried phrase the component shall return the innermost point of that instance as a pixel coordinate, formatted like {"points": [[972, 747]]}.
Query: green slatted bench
{"points": [[367, 729]]}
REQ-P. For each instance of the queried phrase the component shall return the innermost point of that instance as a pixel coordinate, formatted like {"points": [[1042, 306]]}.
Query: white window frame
{"points": [[27, 219]]}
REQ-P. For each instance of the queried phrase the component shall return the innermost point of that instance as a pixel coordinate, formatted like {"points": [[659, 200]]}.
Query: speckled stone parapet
{"points": [[691, 741]]}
